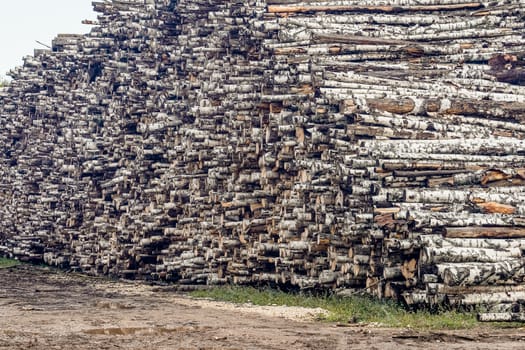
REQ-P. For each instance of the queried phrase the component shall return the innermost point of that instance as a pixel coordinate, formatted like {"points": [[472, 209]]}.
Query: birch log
{"points": [[501, 317], [431, 255], [504, 272]]}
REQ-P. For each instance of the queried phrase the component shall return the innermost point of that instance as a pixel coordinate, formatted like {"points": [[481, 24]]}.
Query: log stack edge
{"points": [[346, 145]]}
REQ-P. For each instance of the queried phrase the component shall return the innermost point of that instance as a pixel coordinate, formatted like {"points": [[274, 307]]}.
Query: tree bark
{"points": [[433, 255], [356, 8], [443, 242], [504, 272], [485, 232]]}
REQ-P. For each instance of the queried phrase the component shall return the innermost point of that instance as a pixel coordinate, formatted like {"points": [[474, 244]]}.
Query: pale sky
{"points": [[22, 22]]}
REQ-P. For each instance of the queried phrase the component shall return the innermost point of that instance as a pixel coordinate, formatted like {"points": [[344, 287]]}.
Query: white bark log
{"points": [[458, 291], [501, 317], [503, 272], [444, 242], [487, 298], [474, 146], [432, 255]]}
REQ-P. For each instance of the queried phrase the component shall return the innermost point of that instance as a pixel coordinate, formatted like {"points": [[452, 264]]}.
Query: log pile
{"points": [[331, 144]]}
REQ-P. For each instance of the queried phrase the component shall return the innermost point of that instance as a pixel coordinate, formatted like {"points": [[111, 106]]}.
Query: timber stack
{"points": [[334, 144]]}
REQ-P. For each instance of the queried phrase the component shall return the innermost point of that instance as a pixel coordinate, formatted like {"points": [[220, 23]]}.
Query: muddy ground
{"points": [[44, 309]]}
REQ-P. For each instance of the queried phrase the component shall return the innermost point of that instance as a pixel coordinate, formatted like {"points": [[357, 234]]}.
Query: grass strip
{"points": [[5, 263], [362, 309]]}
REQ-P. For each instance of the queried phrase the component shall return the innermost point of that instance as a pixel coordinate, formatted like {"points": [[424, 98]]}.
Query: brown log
{"points": [[381, 211], [461, 107], [494, 175], [512, 76], [303, 9], [442, 181], [357, 8], [400, 106], [485, 232], [493, 208], [409, 269], [392, 290]]}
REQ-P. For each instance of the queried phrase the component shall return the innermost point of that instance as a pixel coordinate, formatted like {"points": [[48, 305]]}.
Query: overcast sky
{"points": [[22, 22]]}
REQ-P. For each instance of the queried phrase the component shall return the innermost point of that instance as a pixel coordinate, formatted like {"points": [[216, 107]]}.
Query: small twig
{"points": [[41, 43]]}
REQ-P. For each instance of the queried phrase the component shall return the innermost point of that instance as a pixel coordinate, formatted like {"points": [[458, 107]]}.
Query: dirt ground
{"points": [[43, 309]]}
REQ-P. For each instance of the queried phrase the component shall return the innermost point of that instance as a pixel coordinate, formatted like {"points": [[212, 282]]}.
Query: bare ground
{"points": [[43, 309]]}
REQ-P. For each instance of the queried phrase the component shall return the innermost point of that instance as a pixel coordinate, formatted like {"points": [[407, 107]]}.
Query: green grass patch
{"points": [[353, 309], [5, 263]]}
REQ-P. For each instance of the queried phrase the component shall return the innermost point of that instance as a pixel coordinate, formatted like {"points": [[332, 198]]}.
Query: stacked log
{"points": [[385, 82], [336, 144]]}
